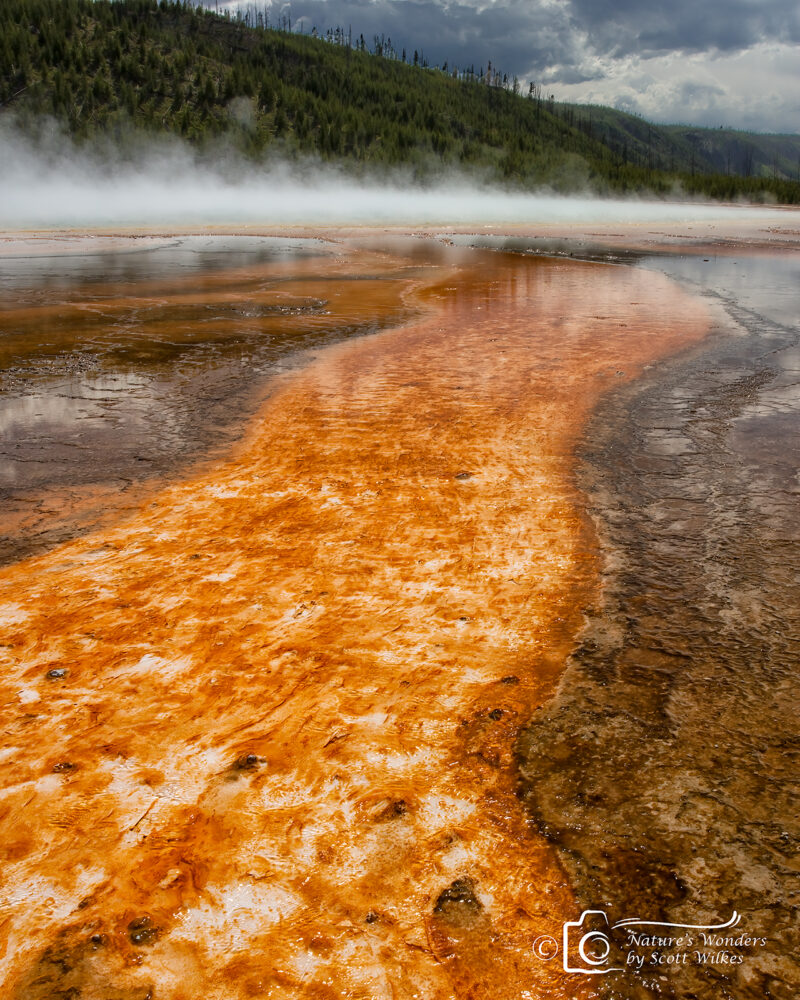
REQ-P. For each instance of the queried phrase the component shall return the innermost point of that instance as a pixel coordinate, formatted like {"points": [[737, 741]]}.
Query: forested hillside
{"points": [[697, 150], [139, 65]]}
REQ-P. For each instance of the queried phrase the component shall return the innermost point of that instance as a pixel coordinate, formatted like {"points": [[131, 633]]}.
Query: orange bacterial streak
{"points": [[279, 763]]}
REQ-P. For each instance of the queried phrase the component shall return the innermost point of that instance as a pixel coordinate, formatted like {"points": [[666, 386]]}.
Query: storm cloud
{"points": [[738, 60], [629, 27]]}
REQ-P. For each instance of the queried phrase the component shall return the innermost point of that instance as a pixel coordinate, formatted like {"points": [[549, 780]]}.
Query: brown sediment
{"points": [[257, 740]]}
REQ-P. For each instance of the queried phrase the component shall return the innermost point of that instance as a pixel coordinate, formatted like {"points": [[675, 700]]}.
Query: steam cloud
{"points": [[52, 184]]}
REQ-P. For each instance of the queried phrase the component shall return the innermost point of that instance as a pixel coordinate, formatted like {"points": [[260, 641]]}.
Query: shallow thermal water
{"points": [[666, 767], [258, 731], [128, 363], [257, 739]]}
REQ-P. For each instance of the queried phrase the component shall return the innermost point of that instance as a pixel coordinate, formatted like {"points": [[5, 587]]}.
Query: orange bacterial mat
{"points": [[257, 740]]}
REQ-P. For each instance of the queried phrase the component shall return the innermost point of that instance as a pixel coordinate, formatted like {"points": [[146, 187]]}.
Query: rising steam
{"points": [[50, 183]]}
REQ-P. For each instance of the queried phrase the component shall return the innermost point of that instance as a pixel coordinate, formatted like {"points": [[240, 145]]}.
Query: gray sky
{"points": [[707, 62]]}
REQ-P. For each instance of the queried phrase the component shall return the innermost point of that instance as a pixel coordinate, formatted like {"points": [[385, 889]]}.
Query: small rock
{"points": [[394, 810], [142, 930], [458, 903], [247, 762]]}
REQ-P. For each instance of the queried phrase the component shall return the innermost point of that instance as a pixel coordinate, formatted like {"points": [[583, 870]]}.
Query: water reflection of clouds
{"points": [[65, 404], [80, 412], [765, 283], [761, 291], [61, 262]]}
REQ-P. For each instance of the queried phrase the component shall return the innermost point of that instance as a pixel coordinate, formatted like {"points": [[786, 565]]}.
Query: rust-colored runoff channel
{"points": [[257, 740]]}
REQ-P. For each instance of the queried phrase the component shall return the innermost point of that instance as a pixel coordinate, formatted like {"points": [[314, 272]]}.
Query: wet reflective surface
{"points": [[125, 361], [258, 739], [666, 767]]}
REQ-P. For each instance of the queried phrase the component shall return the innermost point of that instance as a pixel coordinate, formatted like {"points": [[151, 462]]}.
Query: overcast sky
{"points": [[708, 62]]}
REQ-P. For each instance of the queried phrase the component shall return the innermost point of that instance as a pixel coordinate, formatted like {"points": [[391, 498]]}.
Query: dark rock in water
{"points": [[458, 903], [63, 766], [143, 931], [511, 679], [57, 673], [496, 713], [394, 810], [462, 476], [247, 762], [371, 917]]}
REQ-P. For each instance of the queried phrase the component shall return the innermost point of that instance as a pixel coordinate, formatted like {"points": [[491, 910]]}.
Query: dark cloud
{"points": [[571, 75], [620, 27], [534, 34], [692, 92], [516, 35]]}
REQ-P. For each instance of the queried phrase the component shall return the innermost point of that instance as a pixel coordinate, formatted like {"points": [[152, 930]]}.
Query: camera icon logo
{"points": [[587, 945]]}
